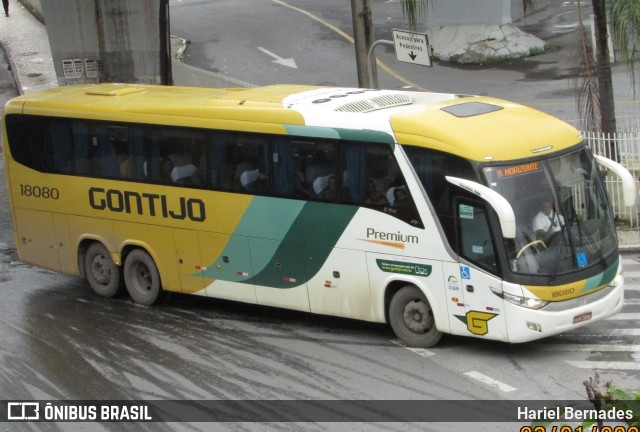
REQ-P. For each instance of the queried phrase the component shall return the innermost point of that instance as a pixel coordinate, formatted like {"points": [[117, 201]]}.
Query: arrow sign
{"points": [[282, 61], [412, 47]]}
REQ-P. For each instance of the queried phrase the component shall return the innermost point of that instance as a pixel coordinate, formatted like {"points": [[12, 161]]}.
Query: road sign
{"points": [[412, 47]]}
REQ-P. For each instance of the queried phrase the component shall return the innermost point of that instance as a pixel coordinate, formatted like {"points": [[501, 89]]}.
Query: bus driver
{"points": [[547, 221]]}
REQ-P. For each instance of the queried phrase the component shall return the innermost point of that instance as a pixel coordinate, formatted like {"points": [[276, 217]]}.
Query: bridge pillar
{"points": [[109, 40]]}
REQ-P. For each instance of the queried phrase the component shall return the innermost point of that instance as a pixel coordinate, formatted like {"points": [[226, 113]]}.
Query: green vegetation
{"points": [[605, 398]]}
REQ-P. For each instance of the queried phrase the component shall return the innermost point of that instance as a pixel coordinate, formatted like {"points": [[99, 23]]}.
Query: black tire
{"points": [[101, 272], [141, 278], [411, 318]]}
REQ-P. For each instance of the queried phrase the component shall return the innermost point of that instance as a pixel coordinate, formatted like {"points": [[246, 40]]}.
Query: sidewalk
{"points": [[628, 240], [26, 44]]}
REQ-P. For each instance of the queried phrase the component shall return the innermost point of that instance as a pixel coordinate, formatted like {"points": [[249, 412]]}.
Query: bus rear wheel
{"points": [[141, 278], [411, 318], [101, 272]]}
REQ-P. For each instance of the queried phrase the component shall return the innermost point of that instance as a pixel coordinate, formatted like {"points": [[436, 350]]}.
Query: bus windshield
{"points": [[562, 214]]}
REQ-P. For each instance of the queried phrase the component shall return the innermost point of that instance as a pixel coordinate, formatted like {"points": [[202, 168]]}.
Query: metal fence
{"points": [[623, 147]]}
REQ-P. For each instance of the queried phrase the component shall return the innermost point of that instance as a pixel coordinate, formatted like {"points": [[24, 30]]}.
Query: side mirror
{"points": [[628, 184]]}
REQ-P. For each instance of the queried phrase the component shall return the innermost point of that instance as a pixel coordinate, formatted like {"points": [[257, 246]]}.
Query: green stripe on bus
{"points": [[366, 136], [306, 246], [602, 278], [264, 224], [339, 133], [290, 249], [269, 218], [312, 131]]}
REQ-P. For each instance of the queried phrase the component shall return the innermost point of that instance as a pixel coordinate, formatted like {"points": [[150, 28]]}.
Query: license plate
{"points": [[582, 317]]}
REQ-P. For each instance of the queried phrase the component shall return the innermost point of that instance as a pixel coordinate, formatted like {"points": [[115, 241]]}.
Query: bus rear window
{"points": [[26, 139]]}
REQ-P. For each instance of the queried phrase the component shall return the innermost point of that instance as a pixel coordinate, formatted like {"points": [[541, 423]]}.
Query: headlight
{"points": [[616, 281], [527, 302], [619, 279]]}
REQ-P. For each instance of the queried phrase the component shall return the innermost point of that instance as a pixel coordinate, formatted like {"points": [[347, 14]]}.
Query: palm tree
{"points": [[415, 11], [625, 19], [594, 86]]}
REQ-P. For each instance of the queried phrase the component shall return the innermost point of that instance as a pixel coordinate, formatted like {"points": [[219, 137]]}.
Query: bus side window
{"points": [[250, 159], [432, 167], [27, 140], [175, 157], [183, 168], [82, 143], [70, 147], [104, 153], [121, 151], [320, 171], [61, 146], [291, 156], [286, 180], [186, 155], [158, 167], [368, 170], [401, 203], [136, 155], [219, 170], [371, 178], [474, 236]]}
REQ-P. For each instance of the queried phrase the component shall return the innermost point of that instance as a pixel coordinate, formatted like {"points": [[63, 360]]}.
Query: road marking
{"points": [[283, 61], [586, 347], [420, 351], [624, 316], [608, 365], [625, 332], [348, 37], [490, 381], [632, 274], [610, 332]]}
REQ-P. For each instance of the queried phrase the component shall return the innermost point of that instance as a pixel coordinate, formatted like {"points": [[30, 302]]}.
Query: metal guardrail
{"points": [[186, 75]]}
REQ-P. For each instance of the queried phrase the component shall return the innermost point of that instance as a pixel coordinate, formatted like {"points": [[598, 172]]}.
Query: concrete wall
{"points": [[107, 40], [459, 12], [35, 7]]}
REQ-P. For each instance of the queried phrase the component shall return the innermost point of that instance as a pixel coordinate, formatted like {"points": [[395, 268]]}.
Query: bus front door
{"points": [[483, 315]]}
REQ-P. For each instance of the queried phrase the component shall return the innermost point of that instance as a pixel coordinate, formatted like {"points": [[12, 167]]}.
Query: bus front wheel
{"points": [[141, 277], [411, 318], [101, 272]]}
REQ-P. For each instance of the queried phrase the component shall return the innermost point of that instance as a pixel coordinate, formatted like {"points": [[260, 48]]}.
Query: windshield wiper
{"points": [[582, 228], [559, 246]]}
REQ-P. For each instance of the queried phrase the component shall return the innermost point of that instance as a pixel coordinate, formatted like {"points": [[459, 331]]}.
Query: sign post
{"points": [[410, 47]]}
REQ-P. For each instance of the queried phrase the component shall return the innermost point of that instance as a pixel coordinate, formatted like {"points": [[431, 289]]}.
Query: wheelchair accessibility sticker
{"points": [[465, 272]]}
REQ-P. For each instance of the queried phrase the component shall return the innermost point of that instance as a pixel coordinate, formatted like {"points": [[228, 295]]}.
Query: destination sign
{"points": [[518, 169]]}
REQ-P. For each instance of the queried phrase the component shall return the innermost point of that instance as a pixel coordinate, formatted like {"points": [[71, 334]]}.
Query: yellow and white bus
{"points": [[415, 209]]}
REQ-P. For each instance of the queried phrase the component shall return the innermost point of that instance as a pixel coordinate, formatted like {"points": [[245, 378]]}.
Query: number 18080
{"points": [[39, 192]]}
